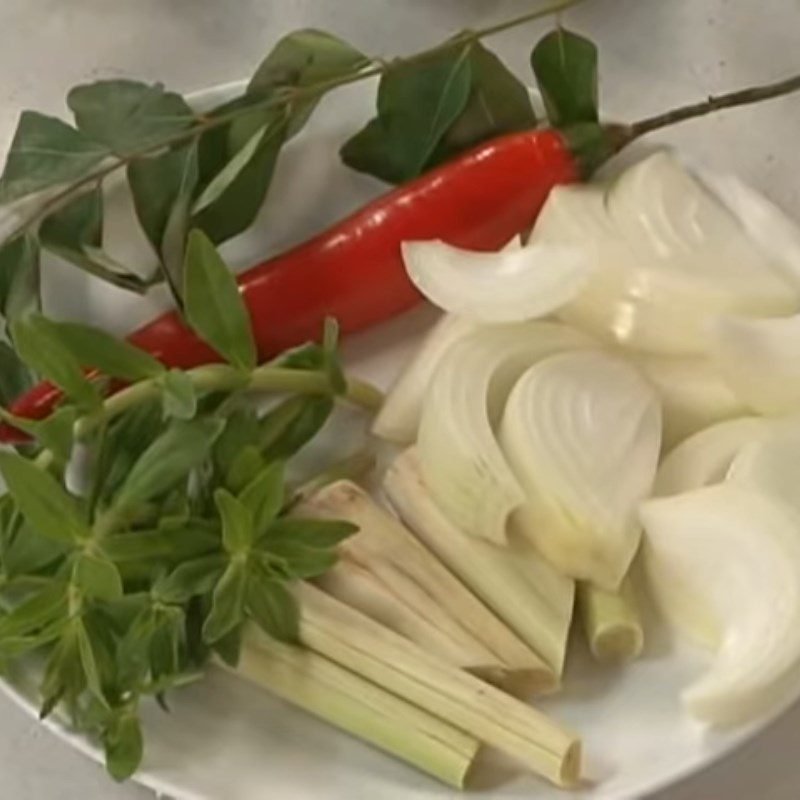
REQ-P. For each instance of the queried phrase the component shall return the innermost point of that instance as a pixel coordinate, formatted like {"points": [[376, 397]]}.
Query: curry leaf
{"points": [[46, 152], [214, 306], [565, 65], [128, 116]]}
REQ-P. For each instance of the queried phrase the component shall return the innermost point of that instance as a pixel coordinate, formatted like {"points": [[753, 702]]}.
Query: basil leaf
{"points": [[417, 104], [245, 467], [498, 103], [263, 497], [128, 116], [291, 424], [43, 502], [193, 578], [40, 346], [64, 674], [93, 347], [168, 460], [565, 65], [15, 377], [88, 661], [124, 747], [302, 562], [190, 540], [178, 395], [214, 306], [75, 233], [237, 522], [168, 642], [29, 553], [133, 651], [19, 277], [317, 533], [241, 430], [273, 607], [305, 58], [227, 604], [162, 188], [46, 152], [37, 611], [233, 197], [97, 577]]}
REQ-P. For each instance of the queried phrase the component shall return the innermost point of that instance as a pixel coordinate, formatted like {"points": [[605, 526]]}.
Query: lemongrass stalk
{"points": [[400, 666], [387, 574], [612, 622], [354, 704], [512, 580]]}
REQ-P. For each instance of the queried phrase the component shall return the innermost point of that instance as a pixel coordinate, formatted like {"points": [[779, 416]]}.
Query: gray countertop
{"points": [[655, 53]]}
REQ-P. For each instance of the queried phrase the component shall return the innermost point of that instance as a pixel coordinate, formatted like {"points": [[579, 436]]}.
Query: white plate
{"points": [[225, 739]]}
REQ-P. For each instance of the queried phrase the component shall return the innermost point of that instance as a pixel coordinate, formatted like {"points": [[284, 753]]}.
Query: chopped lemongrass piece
{"points": [[507, 286], [398, 419], [462, 464], [706, 457], [582, 432], [612, 622], [723, 564], [386, 573], [354, 704], [395, 663], [693, 394], [512, 580]]}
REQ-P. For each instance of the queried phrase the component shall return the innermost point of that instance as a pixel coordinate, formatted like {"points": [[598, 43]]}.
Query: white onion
{"points": [[760, 360], [460, 460], [706, 457], [692, 392], [723, 563], [582, 432], [507, 286]]}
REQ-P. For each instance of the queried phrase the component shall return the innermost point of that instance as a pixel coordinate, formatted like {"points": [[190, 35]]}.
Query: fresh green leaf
{"points": [[168, 642], [301, 59], [291, 424], [38, 342], [233, 196], [124, 746], [241, 430], [178, 395], [498, 103], [331, 365], [229, 647], [273, 607], [128, 116], [93, 347], [192, 539], [190, 579], [19, 277], [263, 497], [44, 503], [46, 152], [237, 522], [417, 104], [64, 674], [15, 377], [88, 660], [97, 577], [168, 460], [565, 65], [297, 561], [29, 553], [133, 651], [317, 533], [214, 307], [227, 606], [56, 432], [162, 188], [244, 468], [36, 612]]}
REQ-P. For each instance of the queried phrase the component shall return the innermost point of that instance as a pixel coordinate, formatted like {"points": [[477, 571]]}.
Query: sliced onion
{"points": [[398, 419], [692, 392], [582, 432], [507, 286], [706, 457], [771, 462], [460, 459], [760, 360], [668, 258], [723, 563], [767, 225]]}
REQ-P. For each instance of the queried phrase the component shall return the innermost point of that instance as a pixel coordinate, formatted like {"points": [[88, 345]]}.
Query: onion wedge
{"points": [[582, 432], [507, 286], [723, 563], [705, 458], [462, 464]]}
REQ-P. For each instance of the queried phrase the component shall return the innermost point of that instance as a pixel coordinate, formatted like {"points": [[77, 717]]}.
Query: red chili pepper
{"points": [[353, 270]]}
